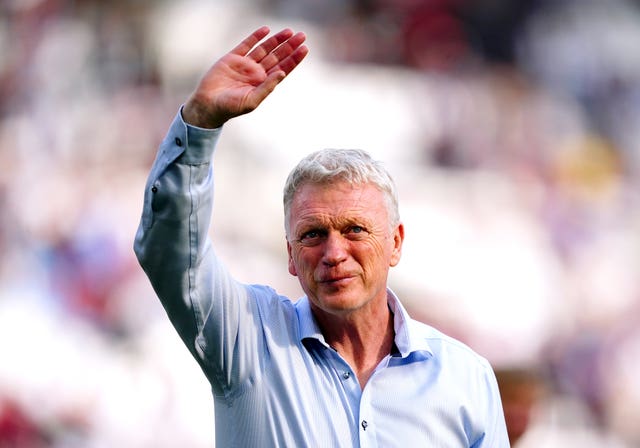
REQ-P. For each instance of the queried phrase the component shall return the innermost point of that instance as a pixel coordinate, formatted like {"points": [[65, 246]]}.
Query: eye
{"points": [[356, 232], [311, 237]]}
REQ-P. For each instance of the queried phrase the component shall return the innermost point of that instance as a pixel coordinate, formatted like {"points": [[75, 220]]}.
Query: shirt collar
{"points": [[408, 338], [308, 327]]}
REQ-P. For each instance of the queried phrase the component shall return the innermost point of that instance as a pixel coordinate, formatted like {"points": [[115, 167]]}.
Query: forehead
{"points": [[338, 200]]}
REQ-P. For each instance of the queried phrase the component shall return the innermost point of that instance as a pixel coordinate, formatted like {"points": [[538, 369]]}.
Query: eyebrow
{"points": [[307, 225]]}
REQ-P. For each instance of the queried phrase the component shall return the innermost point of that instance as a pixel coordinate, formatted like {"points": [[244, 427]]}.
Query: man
{"points": [[344, 365]]}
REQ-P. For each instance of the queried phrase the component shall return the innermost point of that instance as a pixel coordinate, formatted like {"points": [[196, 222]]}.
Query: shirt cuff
{"points": [[199, 142]]}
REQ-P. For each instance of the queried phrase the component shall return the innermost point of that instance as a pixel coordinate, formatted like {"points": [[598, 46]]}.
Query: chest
{"points": [[311, 397]]}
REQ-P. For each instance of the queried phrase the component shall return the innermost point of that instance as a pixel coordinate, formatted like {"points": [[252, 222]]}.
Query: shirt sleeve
{"points": [[496, 435], [205, 304]]}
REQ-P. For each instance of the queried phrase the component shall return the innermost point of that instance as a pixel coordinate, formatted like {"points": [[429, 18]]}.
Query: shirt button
{"points": [[346, 375], [178, 141], [154, 189]]}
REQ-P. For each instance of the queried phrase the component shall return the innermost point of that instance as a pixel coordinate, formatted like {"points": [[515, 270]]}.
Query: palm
{"points": [[244, 77], [232, 84]]}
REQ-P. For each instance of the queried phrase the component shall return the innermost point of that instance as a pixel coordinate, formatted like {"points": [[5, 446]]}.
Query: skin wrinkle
{"points": [[334, 209], [343, 272], [393, 218]]}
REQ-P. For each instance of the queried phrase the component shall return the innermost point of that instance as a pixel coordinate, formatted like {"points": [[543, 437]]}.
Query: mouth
{"points": [[336, 280]]}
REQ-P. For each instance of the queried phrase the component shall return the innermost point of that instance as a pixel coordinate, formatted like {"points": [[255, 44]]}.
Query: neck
{"points": [[363, 341]]}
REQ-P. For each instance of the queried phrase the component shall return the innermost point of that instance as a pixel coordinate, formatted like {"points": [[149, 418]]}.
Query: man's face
{"points": [[341, 246]]}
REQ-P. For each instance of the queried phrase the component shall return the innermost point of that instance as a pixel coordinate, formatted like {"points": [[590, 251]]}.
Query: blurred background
{"points": [[511, 128]]}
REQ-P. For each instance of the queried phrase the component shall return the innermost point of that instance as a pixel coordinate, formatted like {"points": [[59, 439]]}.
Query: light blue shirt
{"points": [[275, 381]]}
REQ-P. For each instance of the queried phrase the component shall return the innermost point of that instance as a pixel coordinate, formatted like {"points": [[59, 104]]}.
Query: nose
{"points": [[335, 249]]}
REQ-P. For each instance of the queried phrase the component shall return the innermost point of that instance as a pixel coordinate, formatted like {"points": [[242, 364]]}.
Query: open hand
{"points": [[239, 81]]}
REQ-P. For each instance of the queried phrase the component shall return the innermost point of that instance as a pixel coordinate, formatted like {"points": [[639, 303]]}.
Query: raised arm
{"points": [[238, 82], [205, 305]]}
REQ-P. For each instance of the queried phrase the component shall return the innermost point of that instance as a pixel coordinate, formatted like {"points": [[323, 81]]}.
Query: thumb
{"points": [[267, 86]]}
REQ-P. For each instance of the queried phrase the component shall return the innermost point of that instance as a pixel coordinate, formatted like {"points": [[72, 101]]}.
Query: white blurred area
{"points": [[517, 158]]}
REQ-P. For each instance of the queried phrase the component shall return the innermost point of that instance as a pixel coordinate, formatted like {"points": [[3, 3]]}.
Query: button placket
{"points": [[367, 417]]}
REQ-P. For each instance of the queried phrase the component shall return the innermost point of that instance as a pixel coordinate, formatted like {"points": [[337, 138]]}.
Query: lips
{"points": [[333, 279]]}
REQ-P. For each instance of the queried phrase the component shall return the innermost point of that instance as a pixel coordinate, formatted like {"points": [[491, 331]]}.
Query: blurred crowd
{"points": [[510, 127]]}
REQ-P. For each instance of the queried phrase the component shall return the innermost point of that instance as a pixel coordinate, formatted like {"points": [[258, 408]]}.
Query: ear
{"points": [[292, 267], [398, 238]]}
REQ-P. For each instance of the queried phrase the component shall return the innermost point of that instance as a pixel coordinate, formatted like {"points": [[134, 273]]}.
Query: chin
{"points": [[341, 302]]}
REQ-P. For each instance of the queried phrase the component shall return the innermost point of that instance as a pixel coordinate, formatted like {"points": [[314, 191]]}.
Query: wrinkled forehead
{"points": [[336, 190], [338, 202], [349, 194]]}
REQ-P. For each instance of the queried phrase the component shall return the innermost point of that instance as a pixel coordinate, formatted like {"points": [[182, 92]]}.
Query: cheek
{"points": [[300, 264], [379, 250], [379, 255]]}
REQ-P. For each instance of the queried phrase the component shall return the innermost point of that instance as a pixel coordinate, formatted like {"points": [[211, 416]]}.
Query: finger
{"points": [[249, 42], [266, 87], [283, 51], [258, 53], [292, 61]]}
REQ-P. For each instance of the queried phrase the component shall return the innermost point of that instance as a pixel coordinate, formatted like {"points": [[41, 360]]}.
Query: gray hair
{"points": [[351, 165]]}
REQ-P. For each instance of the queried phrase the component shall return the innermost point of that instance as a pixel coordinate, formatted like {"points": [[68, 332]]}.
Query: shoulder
{"points": [[273, 308], [266, 296], [446, 349]]}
